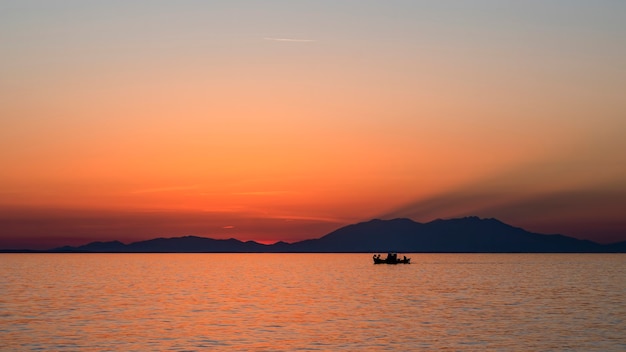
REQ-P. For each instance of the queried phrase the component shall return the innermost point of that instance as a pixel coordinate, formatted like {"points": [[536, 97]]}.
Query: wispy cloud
{"points": [[288, 218], [261, 193], [293, 40], [165, 189]]}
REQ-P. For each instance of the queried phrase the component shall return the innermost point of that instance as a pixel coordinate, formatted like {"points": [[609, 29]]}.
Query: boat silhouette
{"points": [[392, 258]]}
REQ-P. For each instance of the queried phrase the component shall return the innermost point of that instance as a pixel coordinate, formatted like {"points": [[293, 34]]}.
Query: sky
{"points": [[284, 120]]}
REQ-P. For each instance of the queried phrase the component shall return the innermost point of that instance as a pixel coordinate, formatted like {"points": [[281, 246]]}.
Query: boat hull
{"points": [[392, 261]]}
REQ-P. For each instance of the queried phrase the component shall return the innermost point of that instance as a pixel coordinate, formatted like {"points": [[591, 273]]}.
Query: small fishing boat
{"points": [[392, 258]]}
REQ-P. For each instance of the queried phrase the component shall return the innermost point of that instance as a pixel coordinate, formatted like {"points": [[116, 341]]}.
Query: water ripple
{"points": [[316, 302]]}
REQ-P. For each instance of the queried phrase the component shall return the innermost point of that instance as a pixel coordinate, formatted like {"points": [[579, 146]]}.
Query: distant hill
{"points": [[470, 234], [463, 235], [187, 244]]}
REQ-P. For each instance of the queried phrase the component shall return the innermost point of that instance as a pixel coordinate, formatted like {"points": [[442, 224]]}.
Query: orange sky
{"points": [[281, 121]]}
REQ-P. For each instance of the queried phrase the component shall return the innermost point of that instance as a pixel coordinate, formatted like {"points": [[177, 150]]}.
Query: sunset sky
{"points": [[284, 120]]}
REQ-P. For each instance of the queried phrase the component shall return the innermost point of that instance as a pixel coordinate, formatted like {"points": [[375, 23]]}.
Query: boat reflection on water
{"points": [[392, 258]]}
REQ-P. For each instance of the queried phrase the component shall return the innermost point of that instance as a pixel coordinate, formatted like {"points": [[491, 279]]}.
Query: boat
{"points": [[392, 258]]}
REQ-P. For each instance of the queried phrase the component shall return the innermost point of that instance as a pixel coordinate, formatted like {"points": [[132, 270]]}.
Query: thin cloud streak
{"points": [[262, 193], [292, 40], [165, 189]]}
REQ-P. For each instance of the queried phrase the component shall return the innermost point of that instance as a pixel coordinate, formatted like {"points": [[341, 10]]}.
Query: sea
{"points": [[312, 302]]}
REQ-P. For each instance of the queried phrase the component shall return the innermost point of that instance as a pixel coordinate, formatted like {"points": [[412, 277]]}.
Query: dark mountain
{"points": [[619, 247], [113, 246], [464, 235], [469, 234], [195, 244], [187, 244]]}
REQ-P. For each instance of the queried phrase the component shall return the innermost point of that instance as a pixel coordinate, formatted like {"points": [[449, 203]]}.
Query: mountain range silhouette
{"points": [[462, 235]]}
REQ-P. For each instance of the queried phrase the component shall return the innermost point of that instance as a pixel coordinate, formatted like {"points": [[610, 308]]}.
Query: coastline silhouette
{"points": [[461, 235]]}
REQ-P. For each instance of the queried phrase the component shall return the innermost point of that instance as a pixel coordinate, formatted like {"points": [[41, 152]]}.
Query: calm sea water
{"points": [[333, 302]]}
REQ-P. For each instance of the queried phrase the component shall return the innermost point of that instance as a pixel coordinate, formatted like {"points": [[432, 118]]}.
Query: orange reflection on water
{"points": [[316, 301]]}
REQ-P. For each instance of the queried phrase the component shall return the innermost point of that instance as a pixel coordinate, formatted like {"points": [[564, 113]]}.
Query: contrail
{"points": [[293, 40]]}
